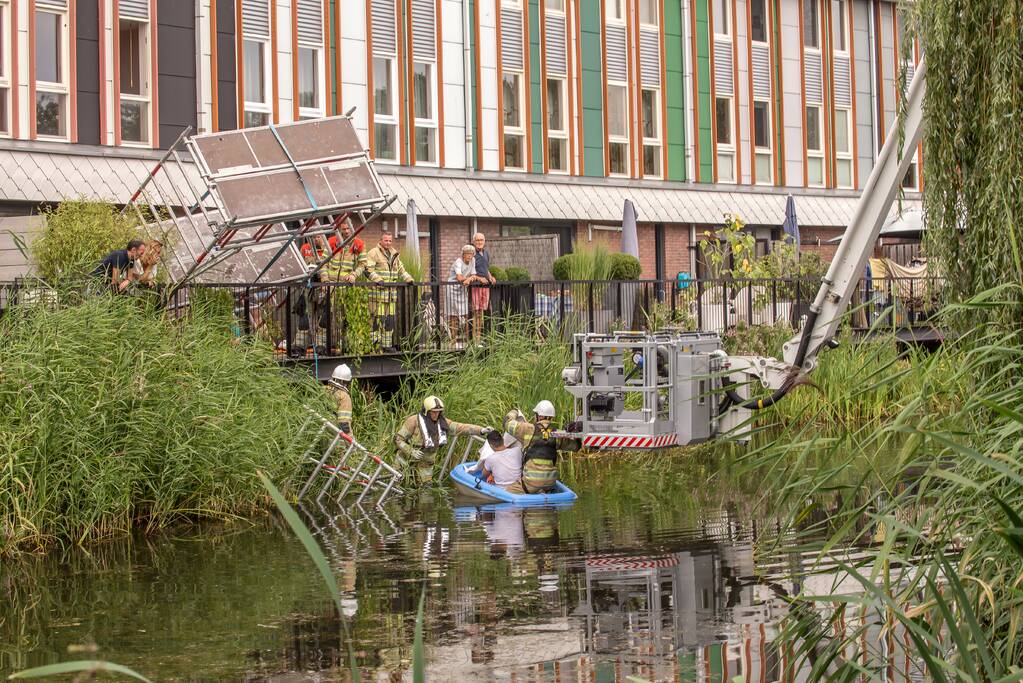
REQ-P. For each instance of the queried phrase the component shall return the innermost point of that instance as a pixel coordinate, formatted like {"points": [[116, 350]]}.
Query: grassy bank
{"points": [[114, 418]]}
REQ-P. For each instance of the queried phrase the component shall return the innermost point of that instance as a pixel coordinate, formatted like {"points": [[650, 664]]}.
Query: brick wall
{"points": [[536, 254], [815, 240], [676, 246]]}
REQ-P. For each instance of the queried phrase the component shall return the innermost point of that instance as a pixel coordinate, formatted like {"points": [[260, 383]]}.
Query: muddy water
{"points": [[651, 573]]}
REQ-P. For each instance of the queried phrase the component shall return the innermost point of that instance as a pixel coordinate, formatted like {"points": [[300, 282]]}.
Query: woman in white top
{"points": [[463, 272]]}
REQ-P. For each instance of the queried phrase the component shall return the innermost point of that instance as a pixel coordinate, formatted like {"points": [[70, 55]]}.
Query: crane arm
{"points": [[850, 259]]}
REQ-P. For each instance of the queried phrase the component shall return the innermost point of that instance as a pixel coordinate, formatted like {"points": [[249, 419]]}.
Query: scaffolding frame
{"points": [[252, 183]]}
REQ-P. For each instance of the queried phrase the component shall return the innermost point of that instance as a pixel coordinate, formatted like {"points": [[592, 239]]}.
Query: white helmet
{"points": [[544, 409], [342, 373]]}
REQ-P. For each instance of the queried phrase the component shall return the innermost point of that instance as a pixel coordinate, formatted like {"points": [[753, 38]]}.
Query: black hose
{"points": [[758, 403]]}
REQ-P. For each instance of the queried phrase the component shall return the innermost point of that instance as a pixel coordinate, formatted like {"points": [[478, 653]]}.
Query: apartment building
{"points": [[513, 117]]}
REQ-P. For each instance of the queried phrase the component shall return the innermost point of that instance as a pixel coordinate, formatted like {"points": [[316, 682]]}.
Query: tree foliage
{"points": [[77, 235]]}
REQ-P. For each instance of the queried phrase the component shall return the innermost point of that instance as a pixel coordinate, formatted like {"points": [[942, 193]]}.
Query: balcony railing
{"points": [[358, 319]]}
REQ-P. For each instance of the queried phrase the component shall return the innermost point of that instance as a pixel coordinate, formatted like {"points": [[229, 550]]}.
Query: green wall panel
{"points": [[535, 86], [593, 87], [704, 104], [674, 91]]}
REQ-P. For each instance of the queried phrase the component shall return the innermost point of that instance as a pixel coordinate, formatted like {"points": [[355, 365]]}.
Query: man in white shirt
{"points": [[500, 461]]}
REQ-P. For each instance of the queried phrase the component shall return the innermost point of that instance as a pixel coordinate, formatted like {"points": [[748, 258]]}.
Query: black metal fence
{"points": [[341, 319]]}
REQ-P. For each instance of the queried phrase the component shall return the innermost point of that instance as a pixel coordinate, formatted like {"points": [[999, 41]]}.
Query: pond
{"points": [[651, 573]]}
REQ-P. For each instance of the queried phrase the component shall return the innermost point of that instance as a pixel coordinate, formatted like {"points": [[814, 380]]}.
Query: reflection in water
{"points": [[650, 573]]}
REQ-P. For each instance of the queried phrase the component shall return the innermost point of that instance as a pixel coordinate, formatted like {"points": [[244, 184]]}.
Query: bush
{"points": [[625, 267], [499, 273], [517, 274], [77, 235], [561, 267]]}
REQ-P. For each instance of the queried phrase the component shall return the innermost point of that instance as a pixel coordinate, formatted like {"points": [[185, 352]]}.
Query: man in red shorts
{"points": [[481, 292]]}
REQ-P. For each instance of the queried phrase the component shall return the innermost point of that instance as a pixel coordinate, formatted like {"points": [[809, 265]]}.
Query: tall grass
{"points": [[113, 418]]}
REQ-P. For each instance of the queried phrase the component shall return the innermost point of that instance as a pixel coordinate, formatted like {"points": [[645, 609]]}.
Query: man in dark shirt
{"points": [[481, 293], [118, 266]]}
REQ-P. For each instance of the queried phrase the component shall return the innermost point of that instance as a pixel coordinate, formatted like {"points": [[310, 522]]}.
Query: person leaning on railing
{"points": [[383, 266], [118, 267]]}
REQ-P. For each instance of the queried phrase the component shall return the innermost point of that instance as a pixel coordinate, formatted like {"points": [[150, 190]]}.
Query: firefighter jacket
{"points": [[383, 265], [414, 435], [343, 400]]}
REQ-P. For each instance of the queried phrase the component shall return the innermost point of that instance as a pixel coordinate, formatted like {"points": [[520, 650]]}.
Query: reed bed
{"points": [[114, 417]]}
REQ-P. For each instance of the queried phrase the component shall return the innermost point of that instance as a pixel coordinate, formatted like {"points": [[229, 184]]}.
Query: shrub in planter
{"points": [[499, 273], [625, 267], [516, 274]]}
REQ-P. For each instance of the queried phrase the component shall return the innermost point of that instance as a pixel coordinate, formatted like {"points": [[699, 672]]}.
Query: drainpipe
{"points": [[467, 76], [687, 82], [871, 35]]}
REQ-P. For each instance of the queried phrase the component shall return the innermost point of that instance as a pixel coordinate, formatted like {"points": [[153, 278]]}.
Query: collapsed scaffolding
{"points": [[240, 210]]}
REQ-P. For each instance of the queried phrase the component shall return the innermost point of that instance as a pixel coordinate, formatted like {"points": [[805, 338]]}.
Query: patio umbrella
{"points": [[412, 228], [630, 236], [791, 225]]}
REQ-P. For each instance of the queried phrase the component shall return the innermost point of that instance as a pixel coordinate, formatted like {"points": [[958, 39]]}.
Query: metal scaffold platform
{"points": [[240, 210]]}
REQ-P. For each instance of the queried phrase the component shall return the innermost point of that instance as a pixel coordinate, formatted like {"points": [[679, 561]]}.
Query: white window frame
{"points": [[817, 155], [656, 14], [727, 33], [614, 11], [847, 156], [817, 48], [264, 107], [559, 134], [559, 10], [613, 139], [5, 67], [386, 119], [146, 67], [61, 88], [844, 13], [914, 168], [320, 109], [654, 141], [767, 23], [726, 149], [760, 150], [428, 123], [518, 131]]}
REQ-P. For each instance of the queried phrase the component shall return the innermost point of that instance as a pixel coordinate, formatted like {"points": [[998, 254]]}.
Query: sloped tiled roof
{"points": [[53, 173]]}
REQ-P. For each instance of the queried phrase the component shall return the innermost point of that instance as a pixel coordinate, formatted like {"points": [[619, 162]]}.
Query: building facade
{"points": [[514, 117]]}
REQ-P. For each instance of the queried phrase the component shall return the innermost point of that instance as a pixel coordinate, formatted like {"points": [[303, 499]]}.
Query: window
{"points": [[648, 13], [423, 91], [5, 73], [909, 180], [385, 123], [725, 142], [651, 133], [618, 129], [758, 20], [840, 25], [843, 148], [557, 129], [811, 24], [722, 16], [310, 87], [255, 56], [615, 10], [814, 150], [555, 5], [51, 54], [762, 142], [514, 129], [133, 63]]}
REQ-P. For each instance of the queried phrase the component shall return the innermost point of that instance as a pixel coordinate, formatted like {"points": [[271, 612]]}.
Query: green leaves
{"points": [[83, 666]]}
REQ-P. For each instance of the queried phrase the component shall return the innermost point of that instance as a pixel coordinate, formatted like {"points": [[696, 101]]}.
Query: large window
{"points": [[5, 71], [514, 123], [385, 120], [648, 12], [256, 68], [811, 24], [618, 129], [840, 25], [310, 82], [557, 126], [725, 139], [722, 16], [762, 142], [425, 106], [614, 10], [135, 76], [51, 73], [814, 148], [843, 148], [651, 133], [555, 5], [758, 20], [909, 180]]}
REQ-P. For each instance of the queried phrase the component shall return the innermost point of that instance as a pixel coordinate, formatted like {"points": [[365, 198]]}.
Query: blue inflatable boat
{"points": [[471, 487]]}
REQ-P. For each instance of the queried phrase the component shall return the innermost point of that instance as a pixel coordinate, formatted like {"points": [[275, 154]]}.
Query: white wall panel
{"points": [[792, 102], [285, 87], [487, 55], [354, 66], [454, 84], [742, 92]]}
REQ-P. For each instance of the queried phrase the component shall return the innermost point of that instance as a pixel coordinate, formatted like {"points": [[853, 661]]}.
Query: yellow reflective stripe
{"points": [[344, 415]]}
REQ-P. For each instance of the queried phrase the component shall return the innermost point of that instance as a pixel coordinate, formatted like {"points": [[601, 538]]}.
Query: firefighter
{"points": [[309, 304], [422, 435], [539, 447], [383, 266], [349, 258], [340, 388]]}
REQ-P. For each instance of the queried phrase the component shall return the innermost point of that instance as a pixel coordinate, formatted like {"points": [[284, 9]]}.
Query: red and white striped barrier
{"points": [[627, 441]]}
